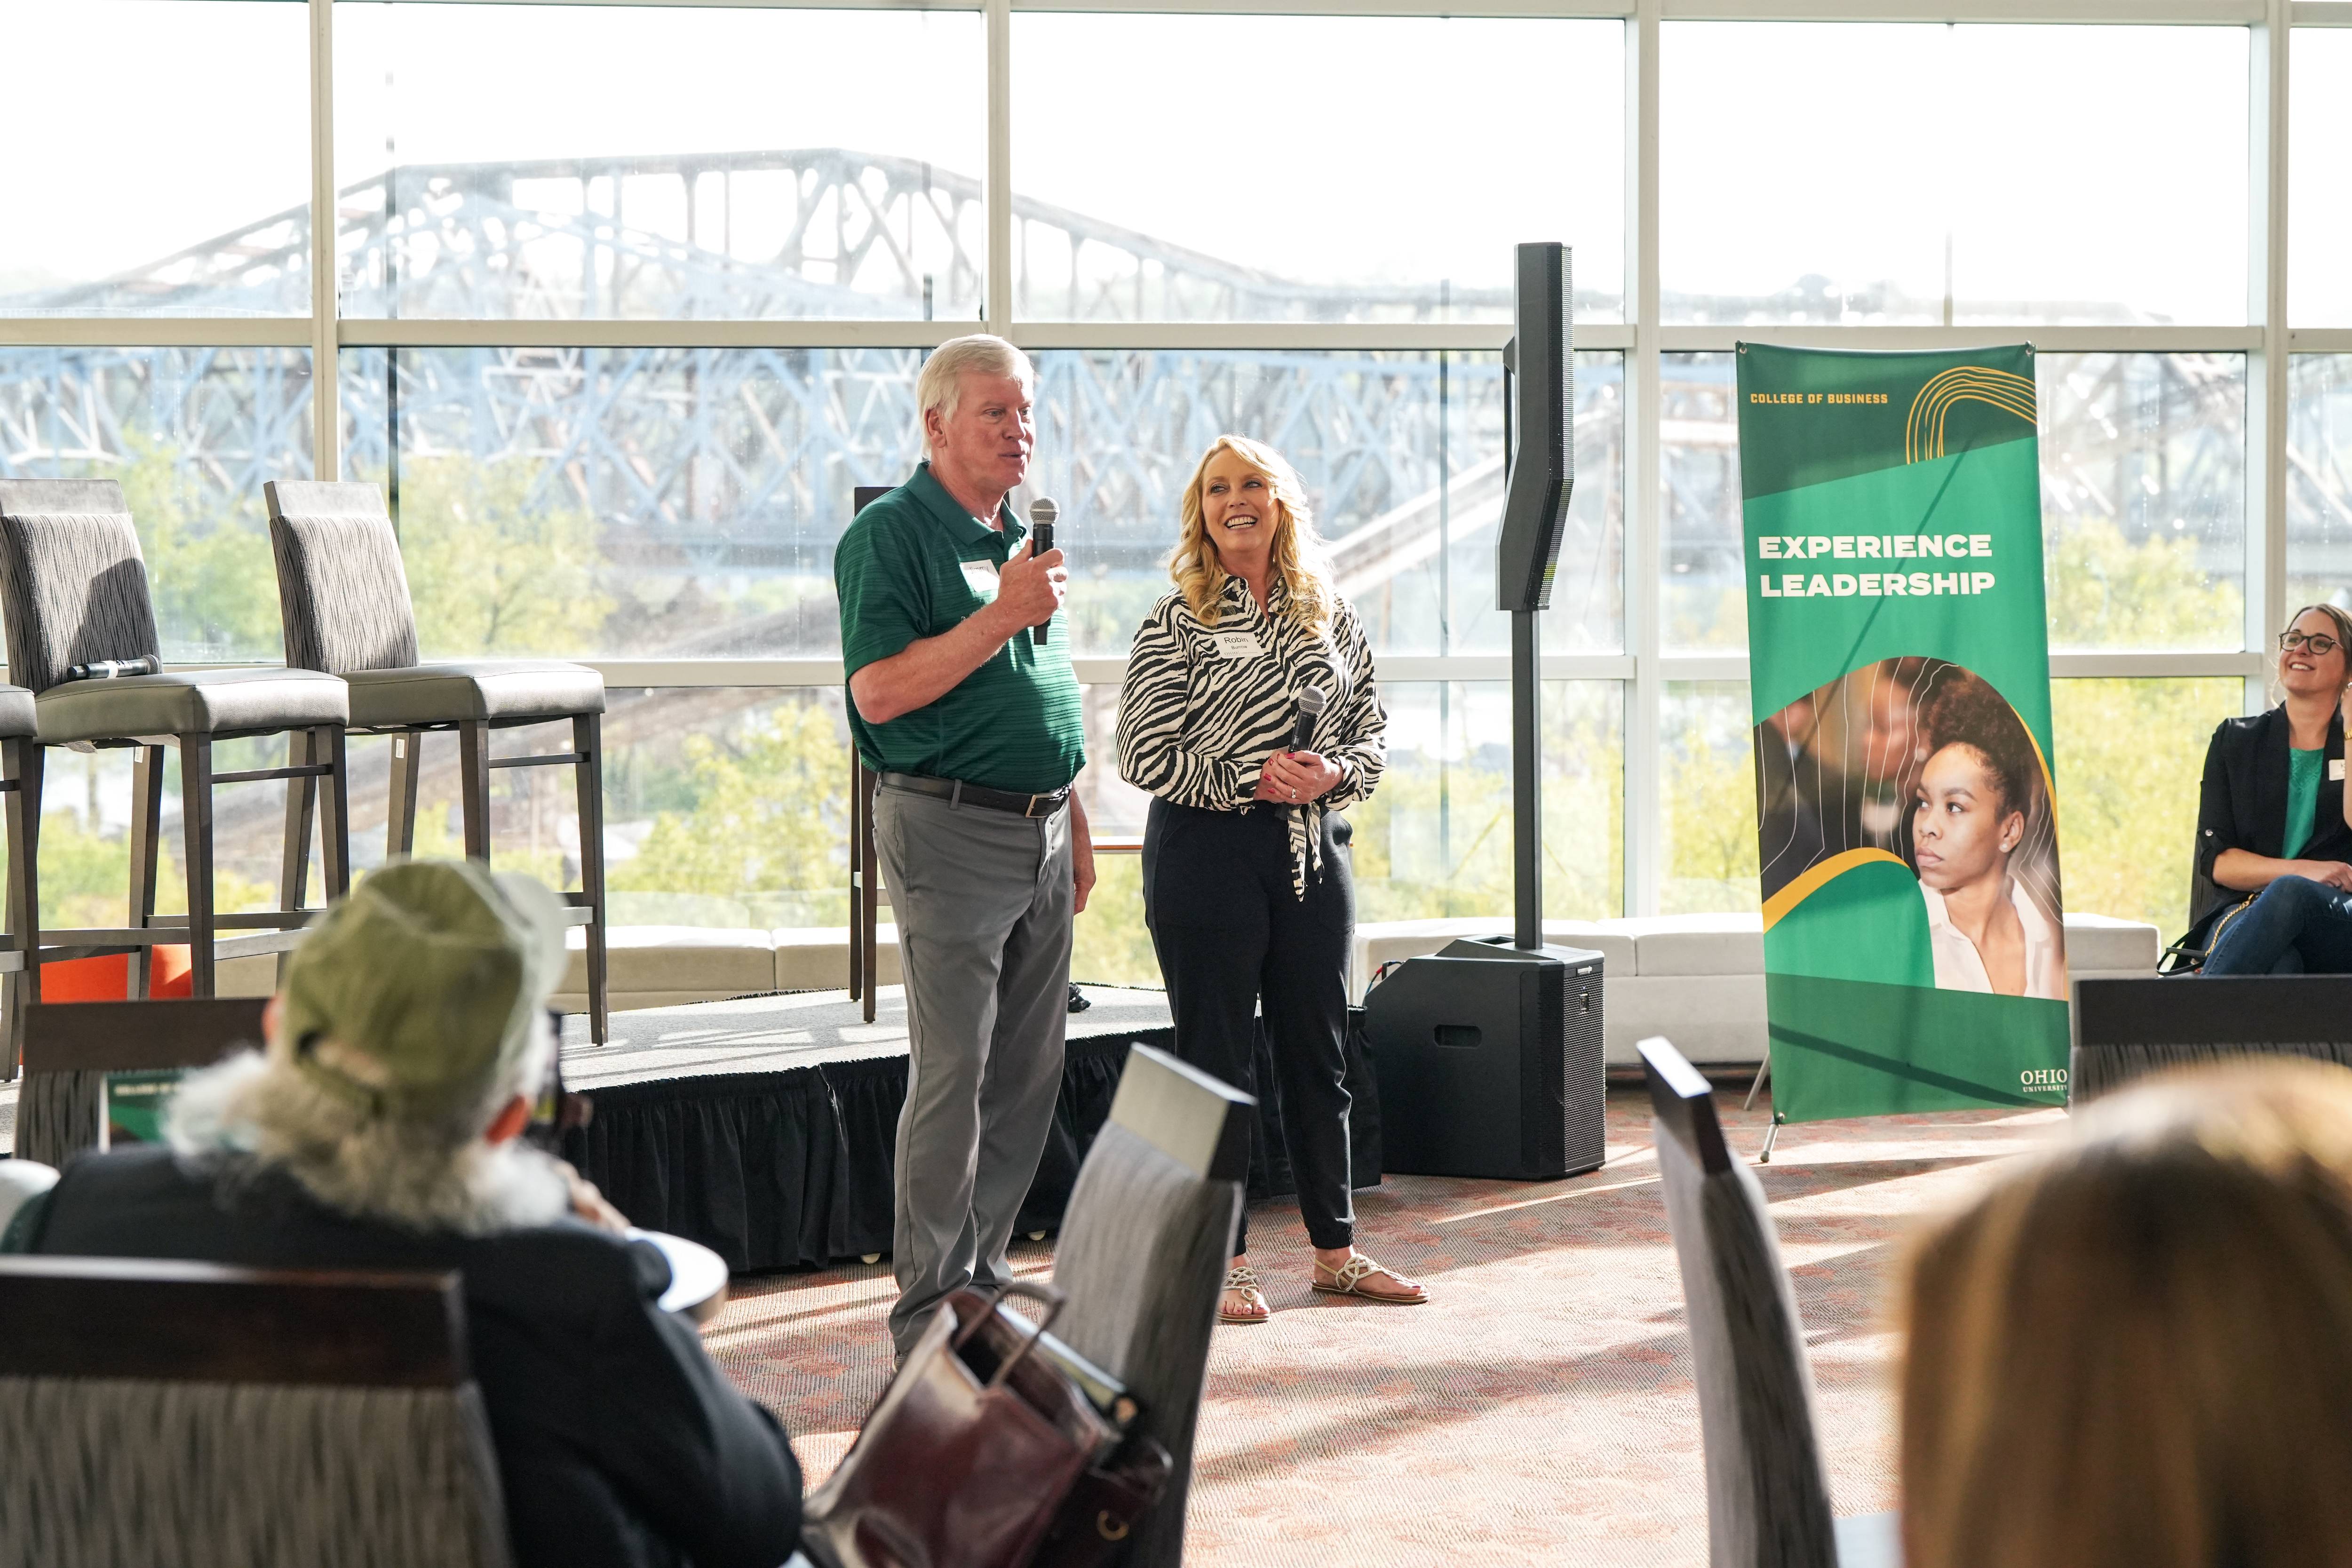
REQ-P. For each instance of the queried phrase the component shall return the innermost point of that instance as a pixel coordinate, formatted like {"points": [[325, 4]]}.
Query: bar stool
{"points": [[343, 594], [74, 588]]}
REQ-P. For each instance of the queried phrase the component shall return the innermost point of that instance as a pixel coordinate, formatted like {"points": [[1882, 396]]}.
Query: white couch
{"points": [[1696, 979], [1699, 979]]}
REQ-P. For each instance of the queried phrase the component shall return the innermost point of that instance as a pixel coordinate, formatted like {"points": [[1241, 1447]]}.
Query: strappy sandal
{"points": [[1244, 1279], [1347, 1279]]}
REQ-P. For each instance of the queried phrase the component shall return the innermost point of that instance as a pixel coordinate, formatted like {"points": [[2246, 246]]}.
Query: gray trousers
{"points": [[983, 901]]}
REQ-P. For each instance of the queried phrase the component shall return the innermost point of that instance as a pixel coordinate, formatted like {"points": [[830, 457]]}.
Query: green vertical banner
{"points": [[1913, 936]]}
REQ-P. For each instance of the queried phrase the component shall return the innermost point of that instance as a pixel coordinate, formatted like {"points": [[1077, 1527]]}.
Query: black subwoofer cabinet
{"points": [[1489, 1063]]}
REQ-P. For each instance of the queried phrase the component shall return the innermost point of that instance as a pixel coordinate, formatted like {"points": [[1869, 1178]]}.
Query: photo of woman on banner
{"points": [[1985, 847]]}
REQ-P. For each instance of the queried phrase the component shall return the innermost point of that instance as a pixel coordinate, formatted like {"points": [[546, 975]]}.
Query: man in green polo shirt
{"points": [[976, 731]]}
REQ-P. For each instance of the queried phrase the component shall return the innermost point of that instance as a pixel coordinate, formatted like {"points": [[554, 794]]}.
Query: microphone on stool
{"points": [[1311, 708], [1042, 513]]}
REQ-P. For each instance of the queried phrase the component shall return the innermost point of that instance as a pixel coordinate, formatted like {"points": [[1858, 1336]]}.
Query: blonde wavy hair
{"points": [[1199, 571]]}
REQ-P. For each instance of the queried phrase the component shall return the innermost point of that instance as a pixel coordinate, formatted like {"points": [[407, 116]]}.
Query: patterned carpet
{"points": [[1539, 1410]]}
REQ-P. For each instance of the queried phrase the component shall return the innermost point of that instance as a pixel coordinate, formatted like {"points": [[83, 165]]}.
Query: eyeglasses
{"points": [[2320, 645]]}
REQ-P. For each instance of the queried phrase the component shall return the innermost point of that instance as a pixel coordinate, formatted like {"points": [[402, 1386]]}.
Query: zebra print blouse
{"points": [[1204, 706]]}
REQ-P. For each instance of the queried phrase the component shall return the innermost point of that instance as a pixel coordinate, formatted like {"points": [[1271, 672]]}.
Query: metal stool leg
{"points": [[22, 761], [301, 806], [474, 787], [196, 823], [589, 776], [328, 745], [146, 846], [400, 820]]}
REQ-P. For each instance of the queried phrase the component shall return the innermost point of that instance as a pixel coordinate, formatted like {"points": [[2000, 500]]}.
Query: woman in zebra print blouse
{"points": [[1247, 886]]}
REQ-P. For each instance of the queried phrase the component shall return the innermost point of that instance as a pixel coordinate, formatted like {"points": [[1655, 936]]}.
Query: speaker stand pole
{"points": [[1526, 780]]}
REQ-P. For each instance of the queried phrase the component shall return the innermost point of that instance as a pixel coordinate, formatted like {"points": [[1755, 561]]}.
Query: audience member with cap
{"points": [[378, 1130]]}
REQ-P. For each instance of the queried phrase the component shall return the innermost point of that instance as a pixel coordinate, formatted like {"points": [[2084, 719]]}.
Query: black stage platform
{"points": [[764, 1127]]}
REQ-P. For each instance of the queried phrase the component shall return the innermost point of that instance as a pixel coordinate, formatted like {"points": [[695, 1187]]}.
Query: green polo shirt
{"points": [[912, 566]]}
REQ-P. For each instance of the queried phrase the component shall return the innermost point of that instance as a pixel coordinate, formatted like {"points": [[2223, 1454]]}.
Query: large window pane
{"points": [[1891, 173], [192, 435], [2143, 500], [160, 159], [674, 503], [2130, 755], [1707, 785], [666, 162], [1435, 839], [1236, 168], [2319, 480], [1402, 456], [2319, 223]]}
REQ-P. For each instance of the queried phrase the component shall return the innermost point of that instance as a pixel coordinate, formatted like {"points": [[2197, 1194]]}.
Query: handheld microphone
{"points": [[115, 668], [1042, 513], [1311, 708]]}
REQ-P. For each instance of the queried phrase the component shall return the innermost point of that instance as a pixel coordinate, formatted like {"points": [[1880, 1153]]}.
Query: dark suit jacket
{"points": [[2243, 803], [620, 1445]]}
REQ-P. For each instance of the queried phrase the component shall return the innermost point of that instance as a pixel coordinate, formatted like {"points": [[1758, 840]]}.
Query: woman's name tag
{"points": [[980, 576], [2335, 770], [1238, 645]]}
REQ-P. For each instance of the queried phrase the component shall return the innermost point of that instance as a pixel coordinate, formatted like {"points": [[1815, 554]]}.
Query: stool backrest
{"points": [[70, 1046], [184, 1413], [1143, 1252], [1768, 1502], [342, 592], [73, 584]]}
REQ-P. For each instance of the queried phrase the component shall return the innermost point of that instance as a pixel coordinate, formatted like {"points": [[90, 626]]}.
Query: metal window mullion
{"points": [[326, 384], [2267, 394], [1644, 774], [998, 188]]}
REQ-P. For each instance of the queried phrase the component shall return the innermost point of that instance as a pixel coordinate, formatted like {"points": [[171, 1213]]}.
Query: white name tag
{"points": [[2336, 770], [980, 576], [1238, 645]]}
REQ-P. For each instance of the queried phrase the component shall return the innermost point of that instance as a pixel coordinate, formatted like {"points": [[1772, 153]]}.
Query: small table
{"points": [[698, 1276]]}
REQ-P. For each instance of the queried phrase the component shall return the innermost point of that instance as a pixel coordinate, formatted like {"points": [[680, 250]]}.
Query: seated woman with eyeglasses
{"points": [[2272, 831]]}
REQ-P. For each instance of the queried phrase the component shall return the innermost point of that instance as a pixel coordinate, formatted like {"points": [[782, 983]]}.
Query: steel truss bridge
{"points": [[722, 466]]}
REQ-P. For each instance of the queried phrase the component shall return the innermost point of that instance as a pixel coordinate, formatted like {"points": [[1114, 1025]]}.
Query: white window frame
{"points": [[1642, 668]]}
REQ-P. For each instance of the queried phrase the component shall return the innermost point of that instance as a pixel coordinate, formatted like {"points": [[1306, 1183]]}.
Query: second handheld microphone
{"points": [[1042, 513]]}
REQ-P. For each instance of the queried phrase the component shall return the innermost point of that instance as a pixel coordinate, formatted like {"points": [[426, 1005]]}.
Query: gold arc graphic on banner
{"points": [[1818, 873], [1923, 430]]}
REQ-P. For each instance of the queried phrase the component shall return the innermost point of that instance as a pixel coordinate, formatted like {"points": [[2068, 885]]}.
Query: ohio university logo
{"points": [[2042, 1080]]}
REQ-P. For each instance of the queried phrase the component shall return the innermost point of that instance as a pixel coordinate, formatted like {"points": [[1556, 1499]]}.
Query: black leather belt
{"points": [[962, 794]]}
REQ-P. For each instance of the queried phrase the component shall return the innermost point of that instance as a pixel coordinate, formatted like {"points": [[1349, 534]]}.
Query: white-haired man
{"points": [[977, 733], [378, 1131]]}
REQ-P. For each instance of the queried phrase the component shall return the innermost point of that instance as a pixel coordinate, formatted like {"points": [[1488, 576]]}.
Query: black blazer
{"points": [[2243, 803]]}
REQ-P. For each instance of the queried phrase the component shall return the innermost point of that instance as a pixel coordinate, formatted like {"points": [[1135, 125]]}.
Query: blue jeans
{"points": [[2296, 926]]}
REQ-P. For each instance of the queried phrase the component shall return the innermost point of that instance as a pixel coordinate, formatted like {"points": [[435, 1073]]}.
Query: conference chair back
{"points": [[1768, 1502], [1142, 1257], [211, 1417], [73, 584], [70, 1046], [342, 590]]}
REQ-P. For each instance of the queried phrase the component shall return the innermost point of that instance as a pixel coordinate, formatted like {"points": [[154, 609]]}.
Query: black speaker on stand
{"points": [[1489, 1052]]}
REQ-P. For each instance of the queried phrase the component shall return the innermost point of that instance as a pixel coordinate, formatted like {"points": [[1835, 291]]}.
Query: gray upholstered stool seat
{"points": [[495, 691], [218, 702], [17, 716]]}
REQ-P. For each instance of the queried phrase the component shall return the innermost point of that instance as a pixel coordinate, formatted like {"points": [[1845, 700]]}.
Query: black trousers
{"points": [[1232, 938]]}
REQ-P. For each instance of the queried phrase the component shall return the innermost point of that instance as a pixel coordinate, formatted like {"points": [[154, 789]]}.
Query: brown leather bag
{"points": [[968, 1458]]}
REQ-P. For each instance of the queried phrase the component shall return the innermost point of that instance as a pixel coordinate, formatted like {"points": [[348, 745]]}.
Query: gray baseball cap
{"points": [[415, 991]]}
